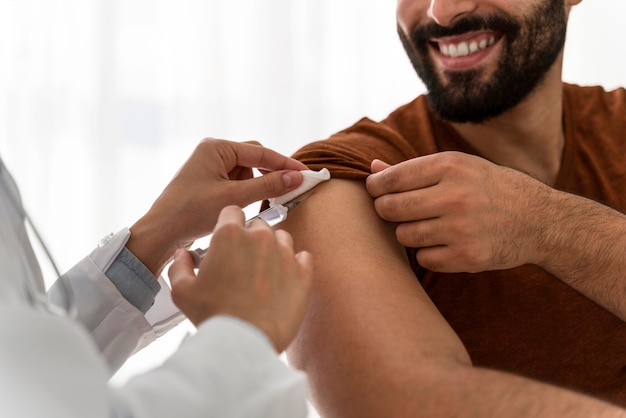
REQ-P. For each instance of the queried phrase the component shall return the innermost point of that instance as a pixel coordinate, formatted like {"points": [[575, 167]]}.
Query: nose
{"points": [[445, 12]]}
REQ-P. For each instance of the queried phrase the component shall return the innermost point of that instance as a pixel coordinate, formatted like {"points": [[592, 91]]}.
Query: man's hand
{"points": [[250, 273], [218, 174], [463, 212]]}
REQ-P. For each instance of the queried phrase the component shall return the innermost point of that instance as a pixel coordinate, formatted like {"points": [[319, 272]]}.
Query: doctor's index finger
{"points": [[230, 215], [416, 173], [253, 154]]}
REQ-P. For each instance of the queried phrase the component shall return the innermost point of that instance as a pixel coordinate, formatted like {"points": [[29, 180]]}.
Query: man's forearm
{"points": [[476, 392], [585, 246], [438, 385]]}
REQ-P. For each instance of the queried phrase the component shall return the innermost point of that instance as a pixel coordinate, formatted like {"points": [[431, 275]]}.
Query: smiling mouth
{"points": [[463, 48]]}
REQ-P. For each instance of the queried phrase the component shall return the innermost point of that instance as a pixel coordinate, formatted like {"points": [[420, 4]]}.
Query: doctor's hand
{"points": [[218, 173], [250, 273], [462, 212]]}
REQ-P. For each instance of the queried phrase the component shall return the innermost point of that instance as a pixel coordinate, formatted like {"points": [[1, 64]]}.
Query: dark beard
{"points": [[530, 48]]}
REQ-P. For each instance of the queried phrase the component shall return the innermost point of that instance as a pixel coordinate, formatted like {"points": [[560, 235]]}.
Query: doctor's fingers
{"points": [[305, 265], [230, 215], [277, 247], [182, 268], [225, 154], [182, 279], [302, 261], [271, 184], [253, 154], [275, 243]]}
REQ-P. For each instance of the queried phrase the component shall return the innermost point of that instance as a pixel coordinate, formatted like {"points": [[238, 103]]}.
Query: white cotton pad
{"points": [[310, 179]]}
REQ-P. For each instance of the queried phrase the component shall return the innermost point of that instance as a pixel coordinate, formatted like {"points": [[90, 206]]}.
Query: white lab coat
{"points": [[52, 366]]}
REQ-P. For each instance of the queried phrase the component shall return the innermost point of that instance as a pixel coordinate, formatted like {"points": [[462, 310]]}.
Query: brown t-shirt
{"points": [[523, 320]]}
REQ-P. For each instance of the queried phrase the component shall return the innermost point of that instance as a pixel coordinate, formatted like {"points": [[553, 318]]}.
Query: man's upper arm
{"points": [[371, 340]]}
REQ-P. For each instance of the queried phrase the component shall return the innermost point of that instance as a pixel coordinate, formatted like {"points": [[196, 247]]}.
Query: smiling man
{"points": [[483, 270], [451, 56]]}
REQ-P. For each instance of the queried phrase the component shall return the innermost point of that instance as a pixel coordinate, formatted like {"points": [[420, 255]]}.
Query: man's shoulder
{"points": [[405, 133], [594, 98], [410, 129], [595, 122]]}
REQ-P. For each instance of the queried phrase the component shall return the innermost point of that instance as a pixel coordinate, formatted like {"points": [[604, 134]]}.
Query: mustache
{"points": [[497, 23]]}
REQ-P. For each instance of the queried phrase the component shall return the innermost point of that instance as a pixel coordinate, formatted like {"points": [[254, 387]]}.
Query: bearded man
{"points": [[470, 249]]}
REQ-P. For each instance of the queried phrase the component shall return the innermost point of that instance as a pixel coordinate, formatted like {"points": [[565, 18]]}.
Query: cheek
{"points": [[409, 13]]}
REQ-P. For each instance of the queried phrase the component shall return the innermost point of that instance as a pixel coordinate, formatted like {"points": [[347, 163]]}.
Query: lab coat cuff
{"points": [[163, 314], [117, 327], [109, 248]]}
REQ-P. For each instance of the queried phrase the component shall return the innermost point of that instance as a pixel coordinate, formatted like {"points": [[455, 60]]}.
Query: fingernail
{"points": [[291, 178]]}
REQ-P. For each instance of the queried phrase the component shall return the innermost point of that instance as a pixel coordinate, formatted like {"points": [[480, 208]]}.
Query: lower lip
{"points": [[464, 63]]}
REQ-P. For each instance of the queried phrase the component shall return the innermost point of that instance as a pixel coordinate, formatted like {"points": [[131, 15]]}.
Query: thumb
{"points": [[181, 269], [269, 185], [378, 165]]}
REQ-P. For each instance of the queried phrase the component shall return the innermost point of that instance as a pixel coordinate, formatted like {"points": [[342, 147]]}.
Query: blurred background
{"points": [[102, 100]]}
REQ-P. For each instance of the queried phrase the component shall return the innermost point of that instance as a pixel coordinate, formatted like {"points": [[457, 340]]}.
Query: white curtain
{"points": [[102, 100]]}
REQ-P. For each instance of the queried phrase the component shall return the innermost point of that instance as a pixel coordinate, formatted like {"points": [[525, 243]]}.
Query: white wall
{"points": [[594, 52], [102, 100]]}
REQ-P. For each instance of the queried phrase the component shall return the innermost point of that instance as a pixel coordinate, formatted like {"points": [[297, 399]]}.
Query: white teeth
{"points": [[453, 51], [462, 49]]}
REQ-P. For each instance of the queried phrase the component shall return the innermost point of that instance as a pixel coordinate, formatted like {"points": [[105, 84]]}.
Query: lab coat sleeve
{"points": [[227, 369], [50, 367], [117, 327]]}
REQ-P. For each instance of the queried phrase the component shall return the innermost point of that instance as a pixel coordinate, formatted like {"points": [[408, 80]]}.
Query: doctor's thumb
{"points": [[272, 184], [182, 267]]}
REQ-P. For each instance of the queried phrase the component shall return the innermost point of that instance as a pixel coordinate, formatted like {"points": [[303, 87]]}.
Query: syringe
{"points": [[273, 216]]}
